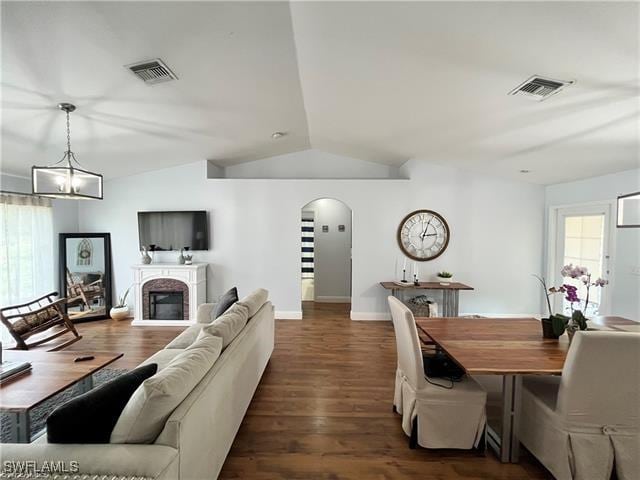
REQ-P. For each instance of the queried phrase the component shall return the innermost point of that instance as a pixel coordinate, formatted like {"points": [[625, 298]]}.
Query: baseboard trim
{"points": [[329, 299], [370, 316], [162, 323], [504, 315], [288, 315]]}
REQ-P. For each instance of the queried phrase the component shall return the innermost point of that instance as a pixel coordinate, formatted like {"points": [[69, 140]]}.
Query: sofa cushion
{"points": [[229, 298], [145, 414], [255, 300], [228, 326], [90, 417], [186, 338], [163, 357]]}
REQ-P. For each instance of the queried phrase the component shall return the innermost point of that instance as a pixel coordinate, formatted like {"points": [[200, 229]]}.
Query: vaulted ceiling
{"points": [[379, 81]]}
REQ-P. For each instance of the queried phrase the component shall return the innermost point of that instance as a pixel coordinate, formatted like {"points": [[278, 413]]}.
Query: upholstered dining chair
{"points": [[432, 416], [582, 424]]}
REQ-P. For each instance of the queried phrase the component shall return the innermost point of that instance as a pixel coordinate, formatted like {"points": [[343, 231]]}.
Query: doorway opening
{"points": [[325, 255], [581, 235]]}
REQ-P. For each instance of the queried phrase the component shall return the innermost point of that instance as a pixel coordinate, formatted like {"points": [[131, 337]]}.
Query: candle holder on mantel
{"points": [[416, 282]]}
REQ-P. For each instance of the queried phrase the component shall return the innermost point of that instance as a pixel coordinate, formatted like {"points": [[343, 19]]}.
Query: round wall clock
{"points": [[423, 235]]}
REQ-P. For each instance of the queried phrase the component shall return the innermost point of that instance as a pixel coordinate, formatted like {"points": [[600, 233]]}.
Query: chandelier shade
{"points": [[66, 178]]}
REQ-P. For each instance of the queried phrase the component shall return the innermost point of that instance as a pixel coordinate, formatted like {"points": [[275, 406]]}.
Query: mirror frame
{"points": [[618, 202], [62, 275]]}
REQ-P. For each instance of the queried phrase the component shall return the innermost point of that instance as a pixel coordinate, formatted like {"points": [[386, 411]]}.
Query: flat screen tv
{"points": [[173, 230]]}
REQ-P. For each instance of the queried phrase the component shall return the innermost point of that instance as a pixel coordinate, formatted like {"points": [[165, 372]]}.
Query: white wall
{"points": [[624, 278], [255, 227], [65, 215], [332, 250], [306, 164]]}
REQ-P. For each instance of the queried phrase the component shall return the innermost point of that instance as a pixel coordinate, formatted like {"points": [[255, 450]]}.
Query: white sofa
{"points": [[198, 434]]}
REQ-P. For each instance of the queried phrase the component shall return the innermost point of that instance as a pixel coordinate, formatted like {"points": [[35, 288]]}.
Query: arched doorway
{"points": [[325, 253]]}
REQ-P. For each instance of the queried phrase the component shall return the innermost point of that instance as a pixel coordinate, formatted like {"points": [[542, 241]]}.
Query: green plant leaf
{"points": [[579, 319], [559, 323]]}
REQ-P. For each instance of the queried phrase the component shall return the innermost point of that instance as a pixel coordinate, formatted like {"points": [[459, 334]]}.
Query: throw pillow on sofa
{"points": [[228, 326], [150, 406], [255, 300], [229, 298], [90, 417]]}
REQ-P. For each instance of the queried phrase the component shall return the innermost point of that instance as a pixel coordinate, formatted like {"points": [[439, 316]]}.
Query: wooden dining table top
{"points": [[492, 346], [504, 346], [51, 373]]}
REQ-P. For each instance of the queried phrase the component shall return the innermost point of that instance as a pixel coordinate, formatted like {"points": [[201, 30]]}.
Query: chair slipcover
{"points": [[583, 423], [452, 418]]}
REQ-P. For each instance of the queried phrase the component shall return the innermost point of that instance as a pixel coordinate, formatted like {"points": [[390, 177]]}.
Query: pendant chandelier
{"points": [[66, 178]]}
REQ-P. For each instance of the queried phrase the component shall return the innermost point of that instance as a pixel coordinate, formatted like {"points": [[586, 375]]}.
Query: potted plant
{"points": [[444, 277], [556, 324], [120, 311]]}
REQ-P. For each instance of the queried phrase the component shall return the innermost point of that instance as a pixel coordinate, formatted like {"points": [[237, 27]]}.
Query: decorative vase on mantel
{"points": [[146, 258], [181, 258]]}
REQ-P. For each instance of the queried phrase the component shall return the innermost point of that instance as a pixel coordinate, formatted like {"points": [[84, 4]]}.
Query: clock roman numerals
{"points": [[423, 235]]}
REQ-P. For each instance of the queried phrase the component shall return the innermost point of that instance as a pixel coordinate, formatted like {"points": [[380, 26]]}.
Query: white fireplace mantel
{"points": [[194, 276]]}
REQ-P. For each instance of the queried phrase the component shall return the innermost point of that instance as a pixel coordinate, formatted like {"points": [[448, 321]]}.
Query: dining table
{"points": [[508, 347]]}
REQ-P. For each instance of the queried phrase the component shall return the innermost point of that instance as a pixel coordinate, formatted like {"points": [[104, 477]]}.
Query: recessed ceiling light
{"points": [[525, 171], [277, 135]]}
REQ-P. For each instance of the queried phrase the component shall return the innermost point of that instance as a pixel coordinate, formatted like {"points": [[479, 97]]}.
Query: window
{"points": [[26, 249]]}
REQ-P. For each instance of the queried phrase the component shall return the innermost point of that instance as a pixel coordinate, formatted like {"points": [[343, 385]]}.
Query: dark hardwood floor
{"points": [[323, 410], [137, 343], [323, 407]]}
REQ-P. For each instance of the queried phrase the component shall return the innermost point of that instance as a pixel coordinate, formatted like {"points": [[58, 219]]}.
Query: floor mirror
{"points": [[85, 275]]}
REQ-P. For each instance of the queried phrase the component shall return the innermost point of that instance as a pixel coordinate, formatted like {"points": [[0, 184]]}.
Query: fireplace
{"points": [[166, 305], [165, 299], [160, 287]]}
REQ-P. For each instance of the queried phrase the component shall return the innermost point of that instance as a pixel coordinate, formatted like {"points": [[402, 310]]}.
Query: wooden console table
{"points": [[450, 293]]}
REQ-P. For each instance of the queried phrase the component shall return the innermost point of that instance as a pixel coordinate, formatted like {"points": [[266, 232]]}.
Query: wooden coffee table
{"points": [[51, 373]]}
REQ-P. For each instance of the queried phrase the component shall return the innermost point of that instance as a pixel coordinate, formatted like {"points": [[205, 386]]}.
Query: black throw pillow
{"points": [[90, 417], [224, 303]]}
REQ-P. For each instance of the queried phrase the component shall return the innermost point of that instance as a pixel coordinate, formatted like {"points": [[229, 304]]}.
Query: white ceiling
{"points": [[379, 81]]}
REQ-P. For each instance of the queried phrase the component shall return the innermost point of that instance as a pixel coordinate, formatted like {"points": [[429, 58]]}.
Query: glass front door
{"points": [[583, 239]]}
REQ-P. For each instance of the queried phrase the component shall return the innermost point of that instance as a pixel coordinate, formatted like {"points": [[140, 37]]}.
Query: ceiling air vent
{"points": [[152, 71], [540, 88]]}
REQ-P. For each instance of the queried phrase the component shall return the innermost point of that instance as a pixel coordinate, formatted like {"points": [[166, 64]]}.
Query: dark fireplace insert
{"points": [[166, 306]]}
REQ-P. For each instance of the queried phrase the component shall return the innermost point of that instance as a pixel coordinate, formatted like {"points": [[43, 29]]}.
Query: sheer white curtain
{"points": [[26, 249]]}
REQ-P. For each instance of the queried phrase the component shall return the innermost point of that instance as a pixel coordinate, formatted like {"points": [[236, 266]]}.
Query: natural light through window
{"points": [[26, 250], [583, 245]]}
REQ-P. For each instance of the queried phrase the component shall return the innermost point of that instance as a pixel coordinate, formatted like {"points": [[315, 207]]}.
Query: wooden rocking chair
{"points": [[38, 316], [79, 293]]}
